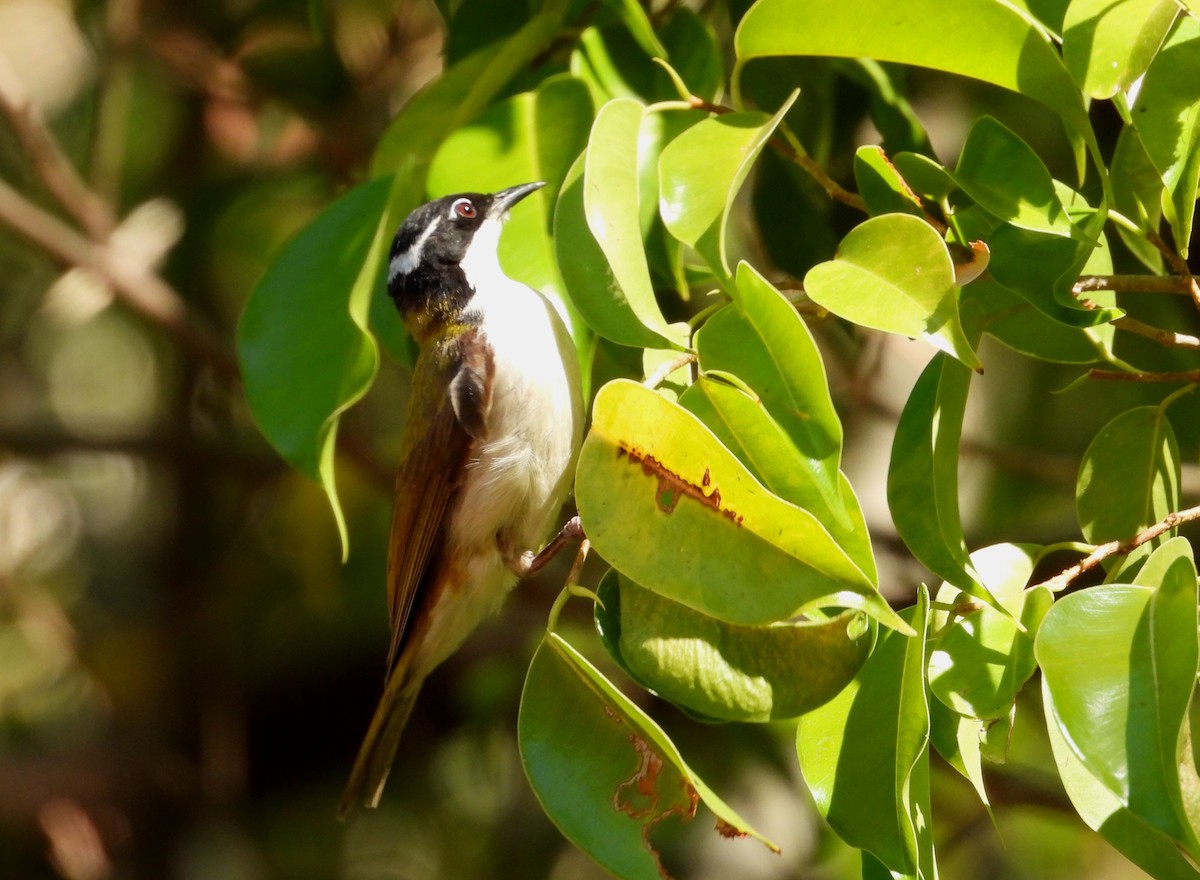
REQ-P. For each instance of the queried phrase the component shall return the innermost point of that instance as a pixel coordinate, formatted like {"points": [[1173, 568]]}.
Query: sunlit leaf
{"points": [[1108, 45], [980, 659], [1003, 174], [1167, 116], [671, 508], [1119, 666], [701, 172], [985, 40], [893, 273], [880, 184]]}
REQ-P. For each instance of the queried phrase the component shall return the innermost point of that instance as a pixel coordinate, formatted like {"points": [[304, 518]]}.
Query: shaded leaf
{"points": [[723, 671], [1129, 476], [922, 485], [865, 754], [1107, 45], [303, 346], [602, 770]]}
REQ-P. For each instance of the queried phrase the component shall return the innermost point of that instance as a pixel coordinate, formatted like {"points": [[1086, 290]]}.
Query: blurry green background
{"points": [[186, 666]]}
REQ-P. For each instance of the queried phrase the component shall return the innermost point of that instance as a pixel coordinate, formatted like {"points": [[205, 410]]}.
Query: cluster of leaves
{"points": [[743, 583]]}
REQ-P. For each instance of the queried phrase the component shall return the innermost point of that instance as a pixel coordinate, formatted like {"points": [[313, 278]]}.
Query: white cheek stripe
{"points": [[404, 263]]}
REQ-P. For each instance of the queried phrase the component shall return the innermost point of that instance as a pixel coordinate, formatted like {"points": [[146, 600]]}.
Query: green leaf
{"points": [[762, 340], [924, 175], [1167, 116], [598, 234], [745, 428], [980, 660], [958, 740], [602, 770], [1016, 323], [880, 184], [1137, 194], [304, 349], [893, 273], [1003, 174], [614, 66], [635, 19], [674, 510], [1101, 810], [922, 485], [531, 136], [981, 39], [700, 174], [722, 671], [865, 754], [1119, 667], [1042, 268], [1129, 477], [1107, 45]]}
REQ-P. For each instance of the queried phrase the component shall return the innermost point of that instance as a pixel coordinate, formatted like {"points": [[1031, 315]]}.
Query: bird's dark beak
{"points": [[506, 198]]}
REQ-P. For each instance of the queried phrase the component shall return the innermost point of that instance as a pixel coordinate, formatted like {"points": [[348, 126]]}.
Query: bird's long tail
{"points": [[378, 750]]}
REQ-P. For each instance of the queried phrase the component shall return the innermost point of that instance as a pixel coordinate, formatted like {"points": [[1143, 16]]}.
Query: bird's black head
{"points": [[425, 274]]}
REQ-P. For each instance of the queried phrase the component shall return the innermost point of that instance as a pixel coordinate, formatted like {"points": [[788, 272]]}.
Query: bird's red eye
{"points": [[463, 208]]}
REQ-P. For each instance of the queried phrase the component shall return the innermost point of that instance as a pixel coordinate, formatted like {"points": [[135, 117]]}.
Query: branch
{"points": [[143, 292], [1117, 548], [1131, 284], [56, 173], [1169, 338], [1121, 376], [1177, 263]]}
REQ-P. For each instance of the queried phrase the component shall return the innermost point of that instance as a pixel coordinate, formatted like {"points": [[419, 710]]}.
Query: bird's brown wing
{"points": [[451, 396]]}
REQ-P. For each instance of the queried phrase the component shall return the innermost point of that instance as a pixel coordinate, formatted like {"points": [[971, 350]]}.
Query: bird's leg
{"points": [[528, 562]]}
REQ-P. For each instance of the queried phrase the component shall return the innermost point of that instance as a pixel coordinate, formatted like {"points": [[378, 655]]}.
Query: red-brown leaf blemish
{"points": [[638, 797], [672, 487]]}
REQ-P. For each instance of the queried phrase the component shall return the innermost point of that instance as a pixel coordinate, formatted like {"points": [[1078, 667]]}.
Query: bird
{"points": [[494, 425]]}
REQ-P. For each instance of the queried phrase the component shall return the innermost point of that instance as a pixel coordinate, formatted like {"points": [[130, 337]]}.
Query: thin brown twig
{"points": [[1169, 338], [834, 189], [1178, 264], [659, 376], [1122, 376], [1131, 284], [1118, 548], [57, 174], [143, 292]]}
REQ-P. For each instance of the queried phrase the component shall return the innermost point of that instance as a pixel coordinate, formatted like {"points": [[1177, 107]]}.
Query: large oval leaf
{"points": [[667, 505], [602, 770], [304, 349], [981, 39], [723, 671], [1119, 665], [1108, 45]]}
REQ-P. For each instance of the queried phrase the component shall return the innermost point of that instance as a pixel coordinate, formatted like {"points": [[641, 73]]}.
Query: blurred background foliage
{"points": [[186, 666]]}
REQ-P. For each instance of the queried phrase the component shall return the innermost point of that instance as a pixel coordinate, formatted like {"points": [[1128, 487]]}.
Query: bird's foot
{"points": [[528, 562]]}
